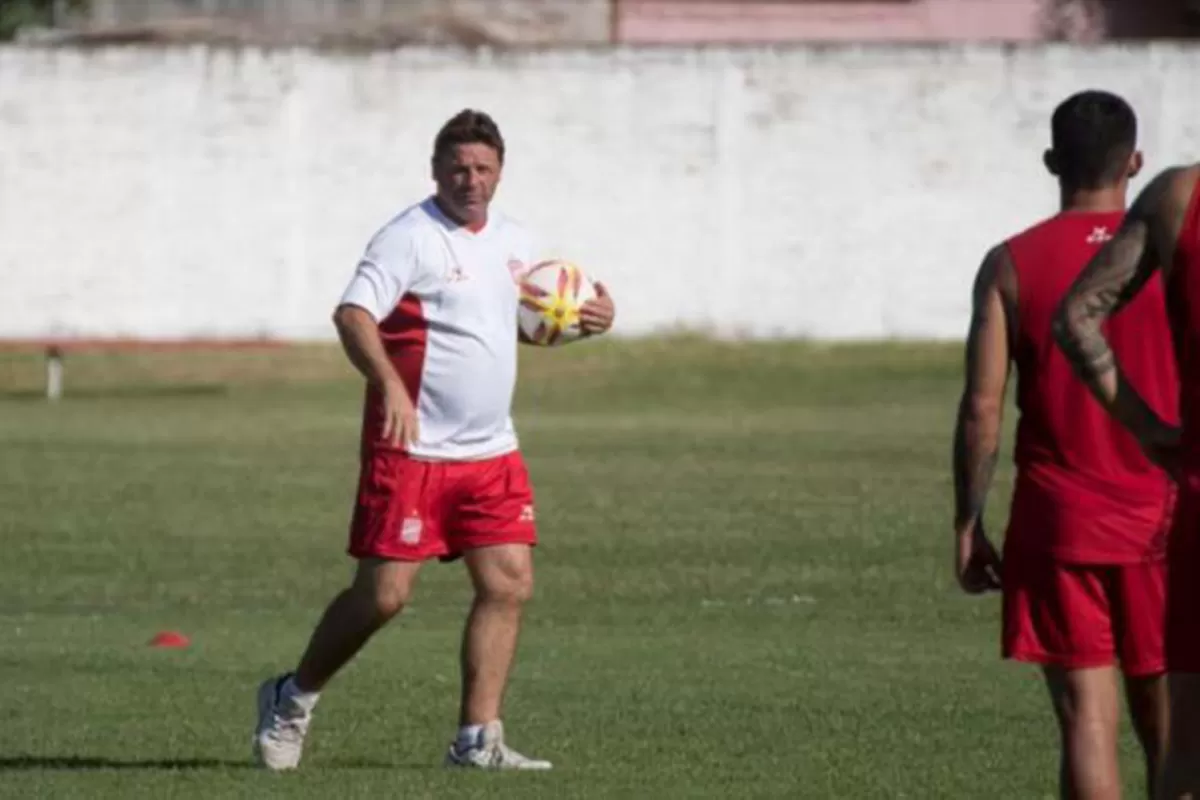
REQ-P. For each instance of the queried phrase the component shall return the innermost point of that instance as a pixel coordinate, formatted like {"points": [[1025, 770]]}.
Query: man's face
{"points": [[466, 178]]}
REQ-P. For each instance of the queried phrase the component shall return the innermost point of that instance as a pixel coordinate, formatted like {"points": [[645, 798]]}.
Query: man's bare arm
{"points": [[981, 409], [359, 334], [1110, 280]]}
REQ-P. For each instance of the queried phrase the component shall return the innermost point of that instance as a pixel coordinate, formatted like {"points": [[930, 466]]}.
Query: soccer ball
{"points": [[551, 295]]}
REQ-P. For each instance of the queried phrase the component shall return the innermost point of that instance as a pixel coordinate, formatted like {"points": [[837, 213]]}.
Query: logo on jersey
{"points": [[516, 268], [457, 275], [410, 530], [1099, 235]]}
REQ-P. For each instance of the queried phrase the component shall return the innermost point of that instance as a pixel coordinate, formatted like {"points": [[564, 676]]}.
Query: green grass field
{"points": [[744, 584]]}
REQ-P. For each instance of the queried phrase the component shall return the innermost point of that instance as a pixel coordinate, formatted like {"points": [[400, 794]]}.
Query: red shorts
{"points": [[412, 510], [1183, 597], [1076, 616]]}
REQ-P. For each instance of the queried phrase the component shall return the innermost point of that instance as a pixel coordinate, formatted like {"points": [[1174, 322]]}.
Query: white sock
{"points": [[290, 693], [468, 737]]}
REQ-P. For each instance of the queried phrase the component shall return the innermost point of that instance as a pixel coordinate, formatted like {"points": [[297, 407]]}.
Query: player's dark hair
{"points": [[1093, 135], [468, 127]]}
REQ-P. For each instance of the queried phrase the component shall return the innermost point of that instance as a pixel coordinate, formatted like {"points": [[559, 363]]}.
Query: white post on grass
{"points": [[54, 374]]}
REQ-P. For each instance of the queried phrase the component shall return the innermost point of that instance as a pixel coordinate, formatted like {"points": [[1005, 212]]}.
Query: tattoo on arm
{"points": [[980, 412], [1144, 245], [974, 468], [1111, 279], [1114, 277]]}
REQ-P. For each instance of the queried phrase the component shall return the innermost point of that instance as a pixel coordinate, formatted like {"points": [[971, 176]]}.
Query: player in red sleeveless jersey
{"points": [[1158, 241], [1083, 569]]}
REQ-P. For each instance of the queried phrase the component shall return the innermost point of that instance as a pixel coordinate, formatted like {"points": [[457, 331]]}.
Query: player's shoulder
{"points": [[1176, 177], [1181, 186], [997, 267], [1167, 195], [404, 230], [1186, 173], [997, 271]]}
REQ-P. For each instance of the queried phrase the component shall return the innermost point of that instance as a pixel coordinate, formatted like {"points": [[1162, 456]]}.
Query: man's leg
{"points": [[1087, 705], [285, 703], [494, 528], [1149, 709], [1181, 768], [1138, 602], [379, 592], [503, 581], [1059, 616]]}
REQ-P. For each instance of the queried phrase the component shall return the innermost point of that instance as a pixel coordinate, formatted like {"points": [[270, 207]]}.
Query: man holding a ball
{"points": [[430, 320]]}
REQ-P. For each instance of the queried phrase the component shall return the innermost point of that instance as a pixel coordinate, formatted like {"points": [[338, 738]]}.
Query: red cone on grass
{"points": [[170, 639]]}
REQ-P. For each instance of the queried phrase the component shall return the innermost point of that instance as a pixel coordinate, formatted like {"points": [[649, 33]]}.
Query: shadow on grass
{"points": [[92, 763], [120, 392], [85, 763]]}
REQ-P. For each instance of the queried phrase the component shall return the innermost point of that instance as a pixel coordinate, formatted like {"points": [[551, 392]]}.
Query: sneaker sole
{"points": [[450, 762]]}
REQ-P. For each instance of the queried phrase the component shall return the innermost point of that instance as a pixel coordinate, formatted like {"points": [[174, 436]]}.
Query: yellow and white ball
{"points": [[552, 293]]}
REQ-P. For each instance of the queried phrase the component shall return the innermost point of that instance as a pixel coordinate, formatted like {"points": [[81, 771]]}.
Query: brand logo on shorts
{"points": [[526, 514], [410, 531]]}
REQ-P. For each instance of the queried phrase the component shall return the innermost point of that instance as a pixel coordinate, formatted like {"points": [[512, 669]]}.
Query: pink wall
{"points": [[678, 21]]}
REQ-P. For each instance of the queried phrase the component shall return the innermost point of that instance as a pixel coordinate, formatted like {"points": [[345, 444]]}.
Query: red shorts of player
{"points": [[413, 510], [1183, 593], [1077, 616]]}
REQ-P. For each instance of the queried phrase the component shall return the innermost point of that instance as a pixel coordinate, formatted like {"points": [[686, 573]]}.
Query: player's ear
{"points": [[1136, 162], [1050, 159]]}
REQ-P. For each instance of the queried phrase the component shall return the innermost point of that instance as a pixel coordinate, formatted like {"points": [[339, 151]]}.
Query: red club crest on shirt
{"points": [[516, 267]]}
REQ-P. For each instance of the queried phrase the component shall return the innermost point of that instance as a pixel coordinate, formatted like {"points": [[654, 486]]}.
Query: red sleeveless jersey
{"points": [[1184, 309], [1085, 493]]}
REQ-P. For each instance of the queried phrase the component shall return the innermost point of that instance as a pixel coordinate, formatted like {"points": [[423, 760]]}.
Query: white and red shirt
{"points": [[445, 299]]}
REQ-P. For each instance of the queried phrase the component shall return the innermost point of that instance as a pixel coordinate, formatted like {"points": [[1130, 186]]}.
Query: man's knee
{"points": [[515, 588], [504, 576], [385, 586], [390, 599], [1086, 700], [1148, 706]]}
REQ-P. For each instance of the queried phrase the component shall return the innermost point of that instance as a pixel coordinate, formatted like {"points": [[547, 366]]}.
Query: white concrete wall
{"points": [[823, 192]]}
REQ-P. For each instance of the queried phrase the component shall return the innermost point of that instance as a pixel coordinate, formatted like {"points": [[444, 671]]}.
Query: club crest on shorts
{"points": [[526, 514], [410, 530]]}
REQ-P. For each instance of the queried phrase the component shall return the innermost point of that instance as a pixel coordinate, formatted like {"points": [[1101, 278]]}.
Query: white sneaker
{"points": [[279, 739], [490, 752]]}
